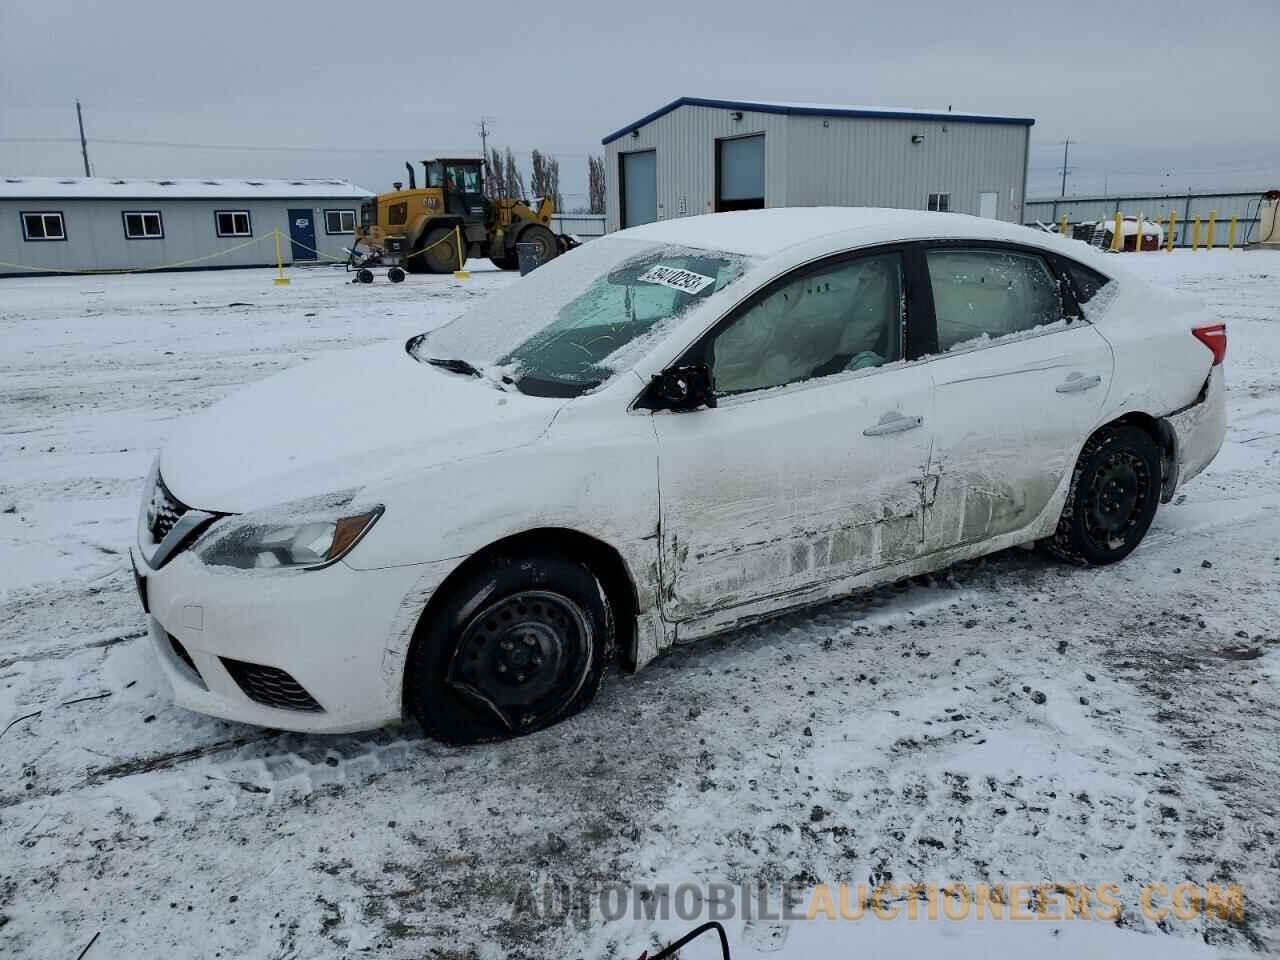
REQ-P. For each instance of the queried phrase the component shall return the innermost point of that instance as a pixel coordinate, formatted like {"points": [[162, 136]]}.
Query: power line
{"points": [[264, 148]]}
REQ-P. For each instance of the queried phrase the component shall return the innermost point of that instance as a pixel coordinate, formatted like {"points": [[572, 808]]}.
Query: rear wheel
{"points": [[514, 647], [395, 275], [1115, 490]]}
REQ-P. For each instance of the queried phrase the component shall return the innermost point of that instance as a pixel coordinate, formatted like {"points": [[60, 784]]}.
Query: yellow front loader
{"points": [[435, 228]]}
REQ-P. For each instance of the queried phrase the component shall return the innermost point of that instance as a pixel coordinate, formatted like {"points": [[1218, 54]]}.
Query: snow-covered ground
{"points": [[1013, 721]]}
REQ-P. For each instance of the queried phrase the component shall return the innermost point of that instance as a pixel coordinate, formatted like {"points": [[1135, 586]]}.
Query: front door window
{"points": [[843, 317]]}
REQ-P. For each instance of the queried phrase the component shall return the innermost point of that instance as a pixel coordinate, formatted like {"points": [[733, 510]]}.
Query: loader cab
{"points": [[463, 184]]}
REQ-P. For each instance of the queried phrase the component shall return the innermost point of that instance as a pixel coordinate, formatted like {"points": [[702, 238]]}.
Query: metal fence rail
{"points": [[584, 226], [1242, 205]]}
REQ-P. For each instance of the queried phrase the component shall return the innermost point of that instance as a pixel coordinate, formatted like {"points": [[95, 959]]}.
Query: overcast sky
{"points": [[1157, 93]]}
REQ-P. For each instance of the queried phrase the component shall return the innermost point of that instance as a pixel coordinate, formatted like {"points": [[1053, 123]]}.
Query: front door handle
{"points": [[1078, 382], [893, 422]]}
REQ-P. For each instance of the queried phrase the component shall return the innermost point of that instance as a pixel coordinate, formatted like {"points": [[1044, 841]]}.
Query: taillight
{"points": [[1213, 336]]}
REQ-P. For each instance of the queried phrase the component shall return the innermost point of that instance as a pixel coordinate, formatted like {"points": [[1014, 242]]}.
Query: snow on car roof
{"points": [[818, 109], [159, 188], [763, 233]]}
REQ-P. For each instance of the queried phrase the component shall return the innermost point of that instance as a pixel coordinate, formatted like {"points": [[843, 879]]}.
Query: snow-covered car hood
{"points": [[341, 422]]}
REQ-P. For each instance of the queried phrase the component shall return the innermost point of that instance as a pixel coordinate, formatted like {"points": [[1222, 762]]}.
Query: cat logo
{"points": [[431, 202]]}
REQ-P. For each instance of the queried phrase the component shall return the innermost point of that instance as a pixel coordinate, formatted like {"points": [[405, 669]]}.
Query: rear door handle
{"points": [[893, 422], [1078, 382]]}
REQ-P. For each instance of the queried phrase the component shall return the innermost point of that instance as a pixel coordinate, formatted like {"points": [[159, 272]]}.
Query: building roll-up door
{"points": [[639, 188], [740, 173]]}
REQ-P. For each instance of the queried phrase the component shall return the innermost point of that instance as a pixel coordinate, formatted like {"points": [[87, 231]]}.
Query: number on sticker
{"points": [[677, 279]]}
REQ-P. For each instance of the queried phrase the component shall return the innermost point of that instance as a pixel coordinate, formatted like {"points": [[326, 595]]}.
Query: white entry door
{"points": [[987, 204]]}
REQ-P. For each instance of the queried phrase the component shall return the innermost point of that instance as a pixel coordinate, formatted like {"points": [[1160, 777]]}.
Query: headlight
{"points": [[307, 535]]}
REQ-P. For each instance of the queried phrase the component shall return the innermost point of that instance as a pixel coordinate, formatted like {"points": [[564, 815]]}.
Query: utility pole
{"points": [[1066, 146], [484, 136], [84, 147]]}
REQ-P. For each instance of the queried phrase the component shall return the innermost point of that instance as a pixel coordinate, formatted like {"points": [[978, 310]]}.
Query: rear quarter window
{"points": [[1085, 281]]}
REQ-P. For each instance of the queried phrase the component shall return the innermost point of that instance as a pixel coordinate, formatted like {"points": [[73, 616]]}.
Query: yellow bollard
{"points": [[1231, 235], [1213, 219], [1195, 233], [281, 280], [1173, 229], [1142, 229], [1117, 233], [1062, 226], [459, 274]]}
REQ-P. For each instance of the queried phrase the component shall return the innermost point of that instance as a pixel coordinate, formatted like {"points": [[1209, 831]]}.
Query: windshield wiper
{"points": [[456, 366]]}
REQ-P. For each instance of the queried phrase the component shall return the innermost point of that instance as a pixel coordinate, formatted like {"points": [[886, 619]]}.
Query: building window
{"points": [[143, 225], [339, 221], [233, 223], [43, 226], [940, 202]]}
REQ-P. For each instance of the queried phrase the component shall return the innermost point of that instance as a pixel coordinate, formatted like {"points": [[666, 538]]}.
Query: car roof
{"points": [[765, 233]]}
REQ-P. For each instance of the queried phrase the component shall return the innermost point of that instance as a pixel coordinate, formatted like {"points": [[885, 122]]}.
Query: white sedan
{"points": [[676, 430]]}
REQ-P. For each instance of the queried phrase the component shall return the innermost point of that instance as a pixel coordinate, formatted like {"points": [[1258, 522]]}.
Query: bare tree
{"points": [[595, 183], [513, 182], [495, 180], [544, 179]]}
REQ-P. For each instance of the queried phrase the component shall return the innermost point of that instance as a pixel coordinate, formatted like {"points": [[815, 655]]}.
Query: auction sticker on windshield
{"points": [[685, 281]]}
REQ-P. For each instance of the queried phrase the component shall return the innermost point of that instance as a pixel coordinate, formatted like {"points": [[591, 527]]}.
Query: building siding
{"points": [[685, 141], [96, 239], [842, 161]]}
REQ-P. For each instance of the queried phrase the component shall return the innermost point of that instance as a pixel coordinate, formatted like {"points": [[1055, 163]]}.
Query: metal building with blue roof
{"points": [[701, 155]]}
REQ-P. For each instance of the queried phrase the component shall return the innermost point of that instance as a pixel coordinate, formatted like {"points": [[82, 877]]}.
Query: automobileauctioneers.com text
{"points": [[886, 901]]}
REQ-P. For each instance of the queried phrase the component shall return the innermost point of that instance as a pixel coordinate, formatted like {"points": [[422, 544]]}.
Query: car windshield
{"points": [[575, 322]]}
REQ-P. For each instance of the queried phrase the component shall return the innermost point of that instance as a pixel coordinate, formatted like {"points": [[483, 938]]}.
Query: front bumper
{"points": [[341, 634], [1199, 430]]}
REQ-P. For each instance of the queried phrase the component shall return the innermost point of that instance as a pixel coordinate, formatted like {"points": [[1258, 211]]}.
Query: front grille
{"points": [[270, 686], [163, 512], [180, 652]]}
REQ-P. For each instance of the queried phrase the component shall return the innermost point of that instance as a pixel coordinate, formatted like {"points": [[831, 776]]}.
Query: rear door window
{"points": [[982, 294]]}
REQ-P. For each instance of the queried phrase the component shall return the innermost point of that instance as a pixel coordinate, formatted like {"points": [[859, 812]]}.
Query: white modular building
{"points": [[55, 224]]}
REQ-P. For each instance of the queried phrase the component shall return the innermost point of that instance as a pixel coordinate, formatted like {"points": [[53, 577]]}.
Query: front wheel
{"points": [[437, 252], [1115, 490], [543, 239], [514, 647]]}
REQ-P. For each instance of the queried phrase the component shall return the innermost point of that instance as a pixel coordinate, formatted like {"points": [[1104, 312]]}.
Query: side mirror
{"points": [[684, 387]]}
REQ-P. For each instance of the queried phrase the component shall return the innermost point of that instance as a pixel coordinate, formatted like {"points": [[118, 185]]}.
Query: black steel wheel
{"points": [[544, 239], [517, 645], [395, 275], [365, 275], [1115, 490]]}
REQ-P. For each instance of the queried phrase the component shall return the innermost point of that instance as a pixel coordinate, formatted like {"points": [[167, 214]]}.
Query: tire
{"points": [[517, 645], [1115, 490], [440, 257], [395, 275], [365, 275], [549, 246]]}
